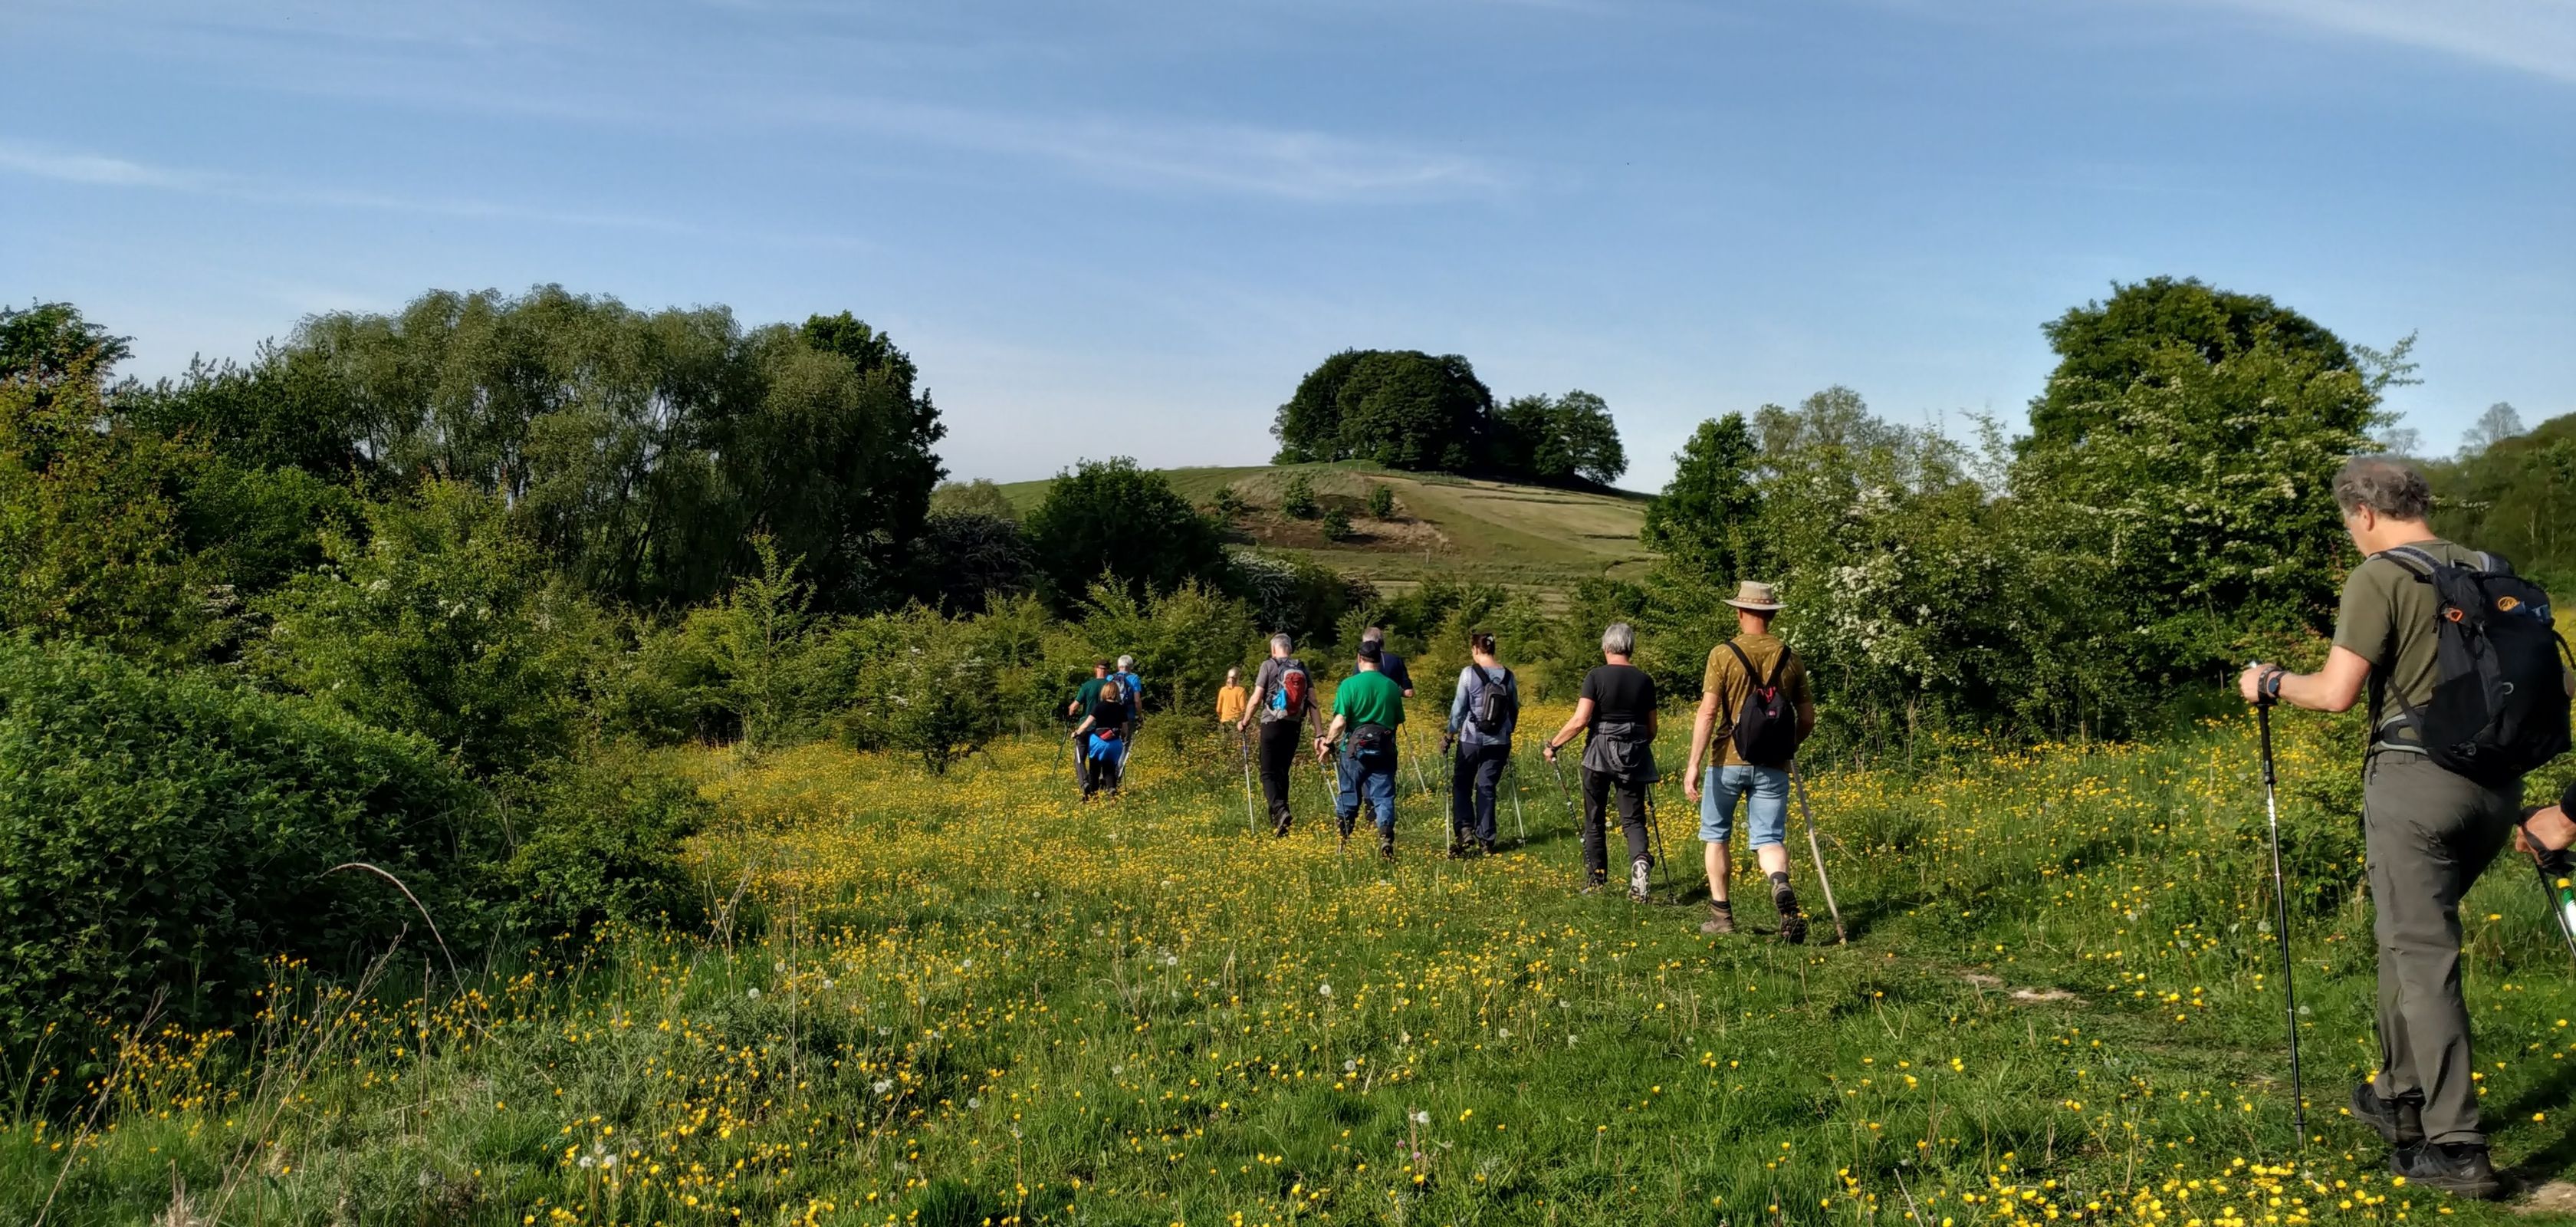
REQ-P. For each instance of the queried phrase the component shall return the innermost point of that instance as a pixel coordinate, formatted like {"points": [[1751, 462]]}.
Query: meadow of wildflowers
{"points": [[972, 1000]]}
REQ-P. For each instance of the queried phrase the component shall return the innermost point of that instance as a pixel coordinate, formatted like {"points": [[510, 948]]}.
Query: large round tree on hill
{"points": [[1110, 517], [1404, 409]]}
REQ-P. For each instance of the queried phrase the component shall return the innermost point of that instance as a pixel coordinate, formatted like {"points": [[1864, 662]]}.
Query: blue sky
{"points": [[1120, 228]]}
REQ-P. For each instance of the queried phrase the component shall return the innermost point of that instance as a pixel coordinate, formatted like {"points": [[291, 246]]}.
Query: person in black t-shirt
{"points": [[1104, 750], [1618, 706]]}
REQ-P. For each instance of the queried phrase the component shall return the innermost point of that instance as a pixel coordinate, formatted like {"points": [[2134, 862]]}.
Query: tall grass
{"points": [[973, 1000]]}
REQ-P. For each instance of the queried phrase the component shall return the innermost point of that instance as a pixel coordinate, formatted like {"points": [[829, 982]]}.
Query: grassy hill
{"points": [[1534, 537]]}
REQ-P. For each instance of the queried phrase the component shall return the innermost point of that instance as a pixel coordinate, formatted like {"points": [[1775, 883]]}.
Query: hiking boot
{"points": [[1592, 885], [1638, 880], [1279, 827], [1721, 920], [1386, 845], [1793, 923], [1460, 850], [2397, 1120], [2459, 1169], [1484, 847]]}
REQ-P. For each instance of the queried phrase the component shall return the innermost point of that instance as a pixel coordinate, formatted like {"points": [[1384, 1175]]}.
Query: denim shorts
{"points": [[1767, 818]]}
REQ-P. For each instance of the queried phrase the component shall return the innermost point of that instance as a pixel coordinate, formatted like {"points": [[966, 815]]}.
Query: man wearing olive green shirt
{"points": [[2427, 831]]}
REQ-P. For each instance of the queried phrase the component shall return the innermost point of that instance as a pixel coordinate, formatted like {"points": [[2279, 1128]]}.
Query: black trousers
{"points": [[1597, 790], [1472, 779], [1279, 746]]}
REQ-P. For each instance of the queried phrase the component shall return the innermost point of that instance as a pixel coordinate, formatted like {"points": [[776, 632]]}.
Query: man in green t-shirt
{"points": [[1089, 693], [2427, 832], [1367, 709]]}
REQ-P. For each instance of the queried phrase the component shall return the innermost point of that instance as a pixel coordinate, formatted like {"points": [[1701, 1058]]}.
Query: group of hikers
{"points": [[2456, 655], [1754, 710]]}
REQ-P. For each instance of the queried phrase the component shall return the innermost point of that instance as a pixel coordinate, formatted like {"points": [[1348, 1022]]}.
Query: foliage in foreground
{"points": [[985, 1002]]}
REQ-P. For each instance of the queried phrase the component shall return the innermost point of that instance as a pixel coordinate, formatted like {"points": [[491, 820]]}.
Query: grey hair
{"points": [[1125, 663], [1282, 643], [1619, 640], [1374, 634], [2384, 484]]}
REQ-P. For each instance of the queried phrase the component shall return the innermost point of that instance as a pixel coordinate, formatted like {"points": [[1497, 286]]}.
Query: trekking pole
{"points": [[1817, 850], [2558, 890], [1243, 750], [2281, 917], [1452, 798], [1517, 820], [1581, 871], [1656, 828]]}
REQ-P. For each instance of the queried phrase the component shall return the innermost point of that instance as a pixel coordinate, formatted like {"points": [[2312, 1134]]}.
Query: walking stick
{"points": [[2281, 918], [1451, 751], [2557, 888], [1817, 850], [1517, 820], [1582, 872], [1243, 750], [1656, 829]]}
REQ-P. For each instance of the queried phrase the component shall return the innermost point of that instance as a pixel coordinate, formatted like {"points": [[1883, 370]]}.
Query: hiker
{"points": [[1132, 686], [1617, 704], [1484, 712], [1746, 696], [2427, 829], [1230, 699], [1368, 707], [1389, 663], [1089, 692], [1283, 699], [1104, 751]]}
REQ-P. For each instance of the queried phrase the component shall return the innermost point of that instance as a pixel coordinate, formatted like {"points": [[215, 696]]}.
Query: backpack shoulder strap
{"points": [[2413, 559], [1779, 666], [1751, 678]]}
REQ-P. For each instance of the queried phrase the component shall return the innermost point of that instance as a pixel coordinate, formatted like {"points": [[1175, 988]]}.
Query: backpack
{"points": [[2499, 705], [1289, 698], [1493, 705], [1766, 731]]}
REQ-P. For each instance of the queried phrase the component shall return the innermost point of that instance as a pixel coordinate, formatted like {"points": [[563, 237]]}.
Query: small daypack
{"points": [[1766, 730], [2499, 705], [1288, 698], [1492, 706]]}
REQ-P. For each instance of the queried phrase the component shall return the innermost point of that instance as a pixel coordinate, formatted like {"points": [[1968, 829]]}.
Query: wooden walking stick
{"points": [[1817, 850]]}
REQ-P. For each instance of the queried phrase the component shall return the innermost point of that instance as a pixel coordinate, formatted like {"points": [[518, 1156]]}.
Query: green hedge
{"points": [[167, 833]]}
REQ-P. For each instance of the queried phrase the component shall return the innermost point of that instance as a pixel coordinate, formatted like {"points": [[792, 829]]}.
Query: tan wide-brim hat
{"points": [[1756, 596]]}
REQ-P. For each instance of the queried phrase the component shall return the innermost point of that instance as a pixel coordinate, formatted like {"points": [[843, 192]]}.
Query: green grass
{"points": [[1528, 537], [969, 1000]]}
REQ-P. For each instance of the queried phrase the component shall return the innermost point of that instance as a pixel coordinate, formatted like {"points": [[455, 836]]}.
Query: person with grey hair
{"points": [[1283, 701], [1617, 705], [2427, 832], [1132, 686]]}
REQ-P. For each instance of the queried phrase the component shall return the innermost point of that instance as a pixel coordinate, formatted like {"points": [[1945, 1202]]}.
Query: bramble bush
{"points": [[599, 842], [165, 834]]}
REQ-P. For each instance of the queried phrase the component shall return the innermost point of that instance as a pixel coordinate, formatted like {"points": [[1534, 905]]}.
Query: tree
{"points": [[1111, 517], [1401, 408], [51, 342], [2103, 347], [1704, 521], [1297, 498], [977, 497], [643, 450], [965, 557], [2499, 423], [1381, 501], [1560, 440]]}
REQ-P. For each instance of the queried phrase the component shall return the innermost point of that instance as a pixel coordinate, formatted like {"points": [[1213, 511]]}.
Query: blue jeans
{"points": [[1374, 780], [1767, 818]]}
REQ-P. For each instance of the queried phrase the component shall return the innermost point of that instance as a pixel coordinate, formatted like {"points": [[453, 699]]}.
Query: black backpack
{"points": [[2499, 706], [1492, 705], [1766, 731]]}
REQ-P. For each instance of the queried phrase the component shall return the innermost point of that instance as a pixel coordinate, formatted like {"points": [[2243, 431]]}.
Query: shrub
{"points": [[1230, 502], [1298, 499], [1381, 504], [934, 695], [444, 623], [1337, 525], [600, 843], [166, 833]]}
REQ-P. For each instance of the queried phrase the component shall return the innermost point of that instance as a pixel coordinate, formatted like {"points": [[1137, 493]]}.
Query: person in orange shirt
{"points": [[1230, 698]]}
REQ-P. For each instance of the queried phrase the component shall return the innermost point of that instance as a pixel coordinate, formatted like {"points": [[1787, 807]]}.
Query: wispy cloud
{"points": [[1238, 158], [94, 169], [2536, 36]]}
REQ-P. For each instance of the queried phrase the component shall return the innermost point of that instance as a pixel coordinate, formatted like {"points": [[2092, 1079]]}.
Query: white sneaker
{"points": [[1637, 881]]}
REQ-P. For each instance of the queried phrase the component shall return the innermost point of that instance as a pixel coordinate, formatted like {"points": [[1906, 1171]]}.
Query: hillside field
{"points": [[973, 1002], [1533, 538]]}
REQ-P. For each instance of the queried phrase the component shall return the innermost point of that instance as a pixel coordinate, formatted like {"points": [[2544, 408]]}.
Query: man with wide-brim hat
{"points": [[1755, 705]]}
